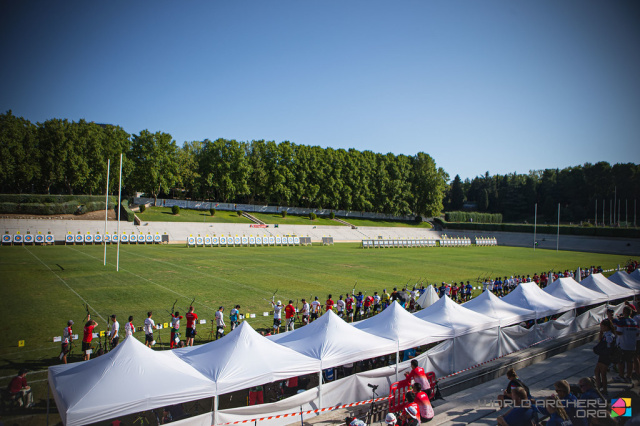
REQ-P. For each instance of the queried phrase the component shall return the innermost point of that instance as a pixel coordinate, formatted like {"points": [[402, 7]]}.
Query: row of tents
{"points": [[133, 378]]}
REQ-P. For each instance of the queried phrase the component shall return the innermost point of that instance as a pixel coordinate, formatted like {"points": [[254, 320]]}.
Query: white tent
{"points": [[335, 342], [597, 282], [529, 296], [623, 279], [428, 297], [461, 320], [570, 290], [244, 358], [492, 306], [129, 379], [635, 274], [407, 330]]}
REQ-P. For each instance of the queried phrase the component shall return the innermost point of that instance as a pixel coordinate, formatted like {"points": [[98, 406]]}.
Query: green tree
{"points": [[19, 154], [428, 185], [457, 194], [155, 162]]}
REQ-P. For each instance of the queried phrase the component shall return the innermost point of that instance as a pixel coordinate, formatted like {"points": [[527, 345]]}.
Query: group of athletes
{"points": [[350, 307]]}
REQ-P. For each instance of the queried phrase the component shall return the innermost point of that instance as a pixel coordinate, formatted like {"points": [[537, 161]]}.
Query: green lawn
{"points": [[386, 223], [163, 214], [44, 287], [291, 219]]}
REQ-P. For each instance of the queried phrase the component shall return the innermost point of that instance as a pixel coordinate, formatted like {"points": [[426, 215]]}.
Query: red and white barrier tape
{"points": [[320, 410]]}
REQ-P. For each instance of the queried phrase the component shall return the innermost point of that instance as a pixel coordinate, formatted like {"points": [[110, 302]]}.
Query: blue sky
{"points": [[501, 86]]}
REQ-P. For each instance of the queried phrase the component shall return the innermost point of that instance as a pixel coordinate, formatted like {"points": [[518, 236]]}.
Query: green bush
{"points": [[142, 208], [546, 229], [418, 218], [240, 212], [332, 215], [473, 217], [284, 213], [212, 211], [52, 204], [313, 216], [175, 209]]}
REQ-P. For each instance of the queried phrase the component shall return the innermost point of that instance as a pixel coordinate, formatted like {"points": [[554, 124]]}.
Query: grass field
{"points": [[387, 223], [164, 214], [43, 287]]}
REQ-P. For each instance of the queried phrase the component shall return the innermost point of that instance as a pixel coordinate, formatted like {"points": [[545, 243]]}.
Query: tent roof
{"points": [[635, 274], [428, 298], [245, 358], [335, 342], [102, 388], [530, 296], [461, 320], [570, 290], [492, 306], [623, 279], [399, 325], [598, 282]]}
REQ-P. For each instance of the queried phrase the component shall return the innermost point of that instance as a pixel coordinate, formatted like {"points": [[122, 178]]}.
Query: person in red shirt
{"points": [[87, 337], [20, 391], [329, 304], [349, 306], [410, 401], [368, 301], [454, 292], [424, 404], [418, 375], [191, 325], [290, 316]]}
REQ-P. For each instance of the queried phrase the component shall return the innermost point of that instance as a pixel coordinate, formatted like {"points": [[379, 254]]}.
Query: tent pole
{"points": [[48, 398], [215, 410], [499, 341], [320, 388]]}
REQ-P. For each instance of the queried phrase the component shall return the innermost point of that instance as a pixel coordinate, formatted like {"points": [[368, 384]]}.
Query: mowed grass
{"points": [[387, 223], [43, 287], [164, 214], [272, 218]]}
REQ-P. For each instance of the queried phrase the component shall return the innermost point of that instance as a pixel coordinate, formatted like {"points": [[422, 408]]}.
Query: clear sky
{"points": [[500, 86]]}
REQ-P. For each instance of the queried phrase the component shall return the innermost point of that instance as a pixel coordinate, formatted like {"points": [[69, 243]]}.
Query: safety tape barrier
{"points": [[319, 410]]}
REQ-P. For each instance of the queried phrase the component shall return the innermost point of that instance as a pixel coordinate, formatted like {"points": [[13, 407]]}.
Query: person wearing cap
{"points": [[113, 334], [277, 316], [391, 420], [220, 325], [354, 421], [20, 391], [409, 416], [67, 339], [290, 316]]}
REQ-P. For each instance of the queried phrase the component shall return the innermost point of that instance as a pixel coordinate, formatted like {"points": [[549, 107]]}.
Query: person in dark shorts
{"points": [[514, 382]]}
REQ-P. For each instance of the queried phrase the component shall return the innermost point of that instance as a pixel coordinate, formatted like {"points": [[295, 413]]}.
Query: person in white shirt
{"points": [[220, 325], [113, 334], [305, 312], [149, 326], [315, 309], [277, 316], [128, 327], [340, 305]]}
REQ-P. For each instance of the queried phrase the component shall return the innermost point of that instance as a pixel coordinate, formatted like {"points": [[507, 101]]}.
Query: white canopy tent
{"points": [[428, 297], [623, 279], [335, 342], [244, 358], [407, 330], [129, 379], [530, 296], [635, 274], [570, 290], [461, 320], [597, 282], [492, 306]]}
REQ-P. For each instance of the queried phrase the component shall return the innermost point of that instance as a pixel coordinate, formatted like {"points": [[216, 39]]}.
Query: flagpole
{"points": [[535, 224], [106, 212], [119, 210]]}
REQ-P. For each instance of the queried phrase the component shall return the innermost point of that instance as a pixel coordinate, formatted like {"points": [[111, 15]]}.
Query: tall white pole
{"points": [[618, 222], [603, 204], [558, 237], [535, 224], [615, 197], [106, 212], [119, 209], [596, 222]]}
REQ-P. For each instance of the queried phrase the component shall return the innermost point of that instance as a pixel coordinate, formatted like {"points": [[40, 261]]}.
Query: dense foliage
{"points": [[58, 156], [575, 188]]}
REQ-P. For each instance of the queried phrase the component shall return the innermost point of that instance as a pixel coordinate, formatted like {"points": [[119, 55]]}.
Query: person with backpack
{"points": [[604, 350], [514, 382]]}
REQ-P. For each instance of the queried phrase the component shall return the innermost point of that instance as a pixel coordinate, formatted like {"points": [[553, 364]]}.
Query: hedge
{"points": [[52, 204], [125, 212], [473, 217], [547, 229]]}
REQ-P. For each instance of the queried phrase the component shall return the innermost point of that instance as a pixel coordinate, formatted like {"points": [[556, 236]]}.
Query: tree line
{"points": [[59, 156], [576, 189]]}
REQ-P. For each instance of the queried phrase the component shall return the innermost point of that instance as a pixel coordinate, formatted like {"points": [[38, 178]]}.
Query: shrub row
{"points": [[473, 217], [54, 199], [547, 229], [125, 212], [51, 208]]}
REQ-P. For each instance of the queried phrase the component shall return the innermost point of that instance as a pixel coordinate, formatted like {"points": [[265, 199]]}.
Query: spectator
{"points": [[609, 339], [424, 405], [627, 332], [522, 413], [418, 375], [557, 414], [409, 417], [563, 390], [20, 391], [391, 420], [514, 382]]}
